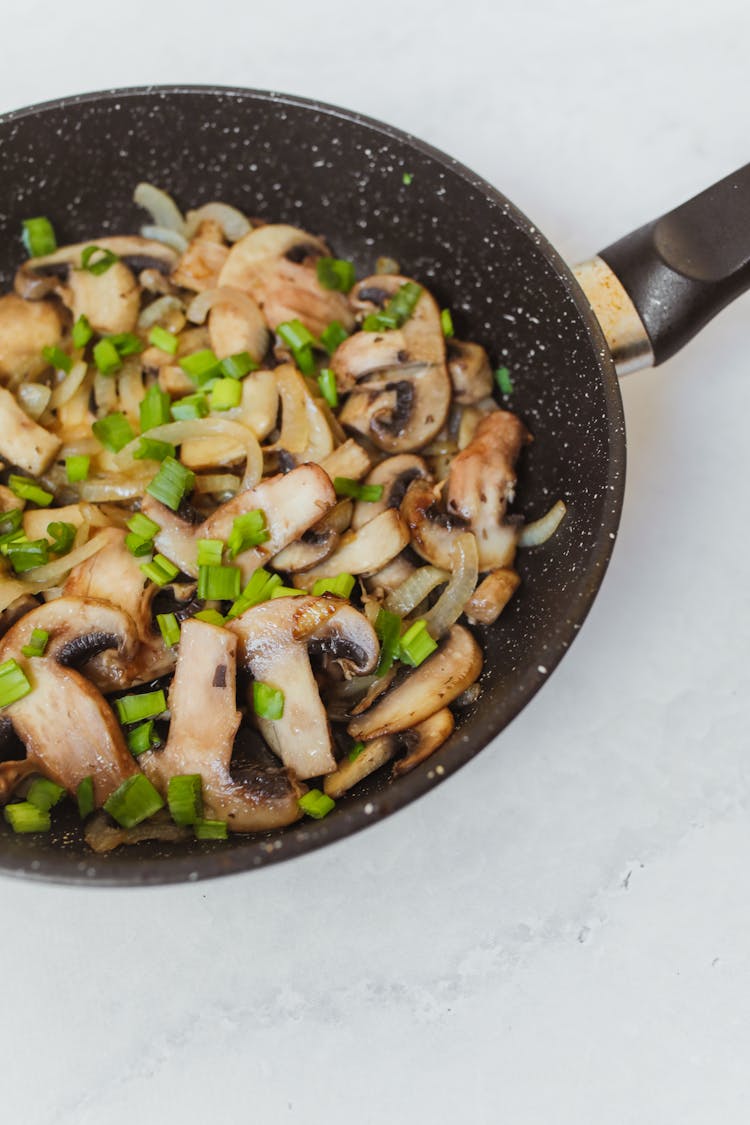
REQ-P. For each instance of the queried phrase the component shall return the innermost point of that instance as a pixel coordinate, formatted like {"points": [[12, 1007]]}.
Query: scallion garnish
{"points": [[113, 431], [77, 467], [169, 627], [342, 586], [239, 365], [248, 530], [141, 525], [185, 798], [25, 817], [300, 342], [37, 643], [82, 332], [407, 178], [504, 381], [13, 683], [133, 801], [259, 589], [333, 335], [62, 535], [219, 583], [345, 486], [44, 793], [225, 394], [154, 408], [171, 483], [149, 449], [97, 261], [355, 751], [201, 366], [160, 570], [446, 322], [106, 357], [210, 616], [327, 384], [142, 738], [38, 236], [268, 701], [397, 311], [85, 797], [27, 489], [416, 644], [138, 546], [210, 552], [335, 273], [163, 339], [190, 407], [10, 522], [210, 830], [316, 804], [27, 554], [146, 705], [388, 629], [57, 358], [287, 592]]}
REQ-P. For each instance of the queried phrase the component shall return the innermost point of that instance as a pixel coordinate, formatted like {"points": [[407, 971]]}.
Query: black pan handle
{"points": [[676, 272]]}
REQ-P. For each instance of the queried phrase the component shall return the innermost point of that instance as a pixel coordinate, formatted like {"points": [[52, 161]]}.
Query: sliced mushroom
{"points": [[349, 772], [390, 577], [470, 372], [37, 520], [365, 551], [491, 596], [237, 326], [110, 301], [22, 441], [204, 722], [419, 743], [421, 692], [395, 474], [275, 639], [423, 740], [432, 532], [26, 327], [317, 543], [349, 460], [202, 262], [275, 264], [137, 253]]}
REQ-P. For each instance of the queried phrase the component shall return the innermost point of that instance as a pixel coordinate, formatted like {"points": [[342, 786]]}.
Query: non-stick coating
{"points": [[340, 175]]}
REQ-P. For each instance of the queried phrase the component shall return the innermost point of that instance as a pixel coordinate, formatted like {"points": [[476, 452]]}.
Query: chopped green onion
{"points": [[85, 797], [25, 817], [10, 522], [201, 366], [407, 178], [103, 262], [154, 408], [113, 431], [171, 483], [82, 332], [248, 530], [160, 570], [446, 322], [141, 525], [127, 343], [355, 751], [397, 311], [77, 467], [190, 407], [300, 342], [210, 552], [57, 358], [268, 702], [345, 486], [416, 644], [504, 381], [163, 339], [219, 583], [27, 554], [138, 546], [210, 830], [210, 616], [135, 800], [27, 489], [169, 628], [38, 236], [316, 804], [327, 384], [62, 535], [37, 643], [142, 738], [149, 449], [134, 708], [226, 393], [239, 365], [185, 798], [259, 589], [333, 335], [388, 629], [13, 683], [287, 592], [106, 357], [44, 793], [335, 273], [342, 586]]}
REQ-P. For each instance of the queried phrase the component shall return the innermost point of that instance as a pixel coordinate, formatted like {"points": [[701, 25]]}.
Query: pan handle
{"points": [[654, 289]]}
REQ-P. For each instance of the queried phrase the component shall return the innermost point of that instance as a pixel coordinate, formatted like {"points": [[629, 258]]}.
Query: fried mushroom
{"points": [[26, 328]]}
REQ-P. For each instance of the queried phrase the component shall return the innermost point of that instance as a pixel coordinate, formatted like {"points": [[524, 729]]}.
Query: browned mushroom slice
{"points": [[136, 252], [350, 771], [236, 324], [103, 836], [22, 441], [418, 742], [26, 327], [390, 577], [432, 532], [419, 693], [317, 543], [110, 301], [204, 722], [491, 596], [202, 262], [423, 740], [395, 474], [362, 552], [470, 372], [275, 640]]}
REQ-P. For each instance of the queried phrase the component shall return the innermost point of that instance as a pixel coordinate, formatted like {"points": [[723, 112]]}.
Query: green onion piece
{"points": [[44, 793], [138, 546], [248, 530], [268, 702], [104, 259], [446, 322], [77, 467], [13, 683], [210, 830], [27, 554], [27, 489], [25, 817], [316, 804], [295, 335], [127, 343], [210, 616], [38, 236], [113, 431], [397, 311], [335, 273], [416, 644], [154, 408], [185, 798], [134, 708], [504, 381], [379, 322], [190, 407], [135, 800], [169, 628], [327, 384], [85, 797], [37, 643], [342, 586], [106, 357], [149, 449], [163, 339], [82, 332], [10, 522], [201, 366], [141, 525], [171, 483], [407, 178], [226, 393], [388, 629], [210, 552], [345, 486], [160, 570], [57, 358], [219, 583], [287, 592], [259, 589], [239, 365], [142, 738], [333, 335], [355, 751], [62, 535]]}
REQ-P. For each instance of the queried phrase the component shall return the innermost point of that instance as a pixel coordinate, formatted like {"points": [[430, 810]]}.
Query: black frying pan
{"points": [[341, 175]]}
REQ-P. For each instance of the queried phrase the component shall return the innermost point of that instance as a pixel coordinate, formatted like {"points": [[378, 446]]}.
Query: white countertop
{"points": [[559, 934]]}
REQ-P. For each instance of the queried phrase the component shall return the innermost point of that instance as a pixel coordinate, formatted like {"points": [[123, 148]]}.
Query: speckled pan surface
{"points": [[341, 175]]}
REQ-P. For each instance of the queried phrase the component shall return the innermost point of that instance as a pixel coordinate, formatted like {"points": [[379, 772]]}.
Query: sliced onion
{"points": [[158, 310], [130, 386], [64, 391], [82, 445], [200, 306], [295, 429], [177, 432], [543, 529], [34, 398], [217, 483], [415, 589], [105, 393], [450, 605], [45, 577], [232, 222], [101, 489], [162, 208], [169, 237]]}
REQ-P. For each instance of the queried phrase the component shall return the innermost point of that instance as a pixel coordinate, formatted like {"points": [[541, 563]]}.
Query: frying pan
{"points": [[333, 172]]}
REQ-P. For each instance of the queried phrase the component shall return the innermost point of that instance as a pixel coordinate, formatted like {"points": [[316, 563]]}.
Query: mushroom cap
{"points": [[470, 372], [364, 551], [395, 474]]}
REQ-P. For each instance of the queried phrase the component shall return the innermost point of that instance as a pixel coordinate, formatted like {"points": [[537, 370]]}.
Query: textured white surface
{"points": [[559, 934]]}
